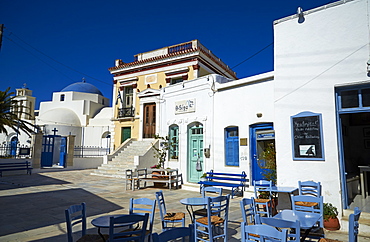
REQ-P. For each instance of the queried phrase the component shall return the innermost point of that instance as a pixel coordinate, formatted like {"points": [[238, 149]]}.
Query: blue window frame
{"points": [[232, 146], [174, 142], [354, 98]]}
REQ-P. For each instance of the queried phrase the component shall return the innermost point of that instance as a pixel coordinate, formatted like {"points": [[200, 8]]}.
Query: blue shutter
{"points": [[232, 146]]}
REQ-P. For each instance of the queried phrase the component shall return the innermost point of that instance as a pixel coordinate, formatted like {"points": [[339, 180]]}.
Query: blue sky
{"points": [[51, 44]]}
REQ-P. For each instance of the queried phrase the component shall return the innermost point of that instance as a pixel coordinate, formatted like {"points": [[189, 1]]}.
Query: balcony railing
{"points": [[15, 151], [125, 112]]}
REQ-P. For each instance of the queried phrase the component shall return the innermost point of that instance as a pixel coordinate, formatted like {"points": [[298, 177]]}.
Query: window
{"points": [[176, 80], [128, 97], [353, 98], [232, 146], [62, 97], [174, 142]]}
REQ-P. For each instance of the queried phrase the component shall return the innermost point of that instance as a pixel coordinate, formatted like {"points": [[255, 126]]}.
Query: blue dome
{"points": [[82, 87]]}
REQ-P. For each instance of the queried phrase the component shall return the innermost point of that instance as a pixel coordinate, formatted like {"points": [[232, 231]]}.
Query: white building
{"points": [[79, 109]]}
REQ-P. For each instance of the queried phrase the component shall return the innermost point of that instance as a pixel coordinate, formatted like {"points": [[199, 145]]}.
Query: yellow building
{"points": [[137, 85]]}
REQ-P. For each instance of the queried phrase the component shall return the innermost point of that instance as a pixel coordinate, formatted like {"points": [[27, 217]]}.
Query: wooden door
{"points": [[149, 120], [195, 152]]}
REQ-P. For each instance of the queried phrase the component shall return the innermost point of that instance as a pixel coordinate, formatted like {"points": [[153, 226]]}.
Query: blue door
{"points": [[63, 152], [13, 146], [47, 151], [260, 136], [232, 146]]}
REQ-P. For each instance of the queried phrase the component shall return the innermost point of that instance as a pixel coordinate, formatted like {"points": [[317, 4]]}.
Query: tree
{"points": [[10, 113]]}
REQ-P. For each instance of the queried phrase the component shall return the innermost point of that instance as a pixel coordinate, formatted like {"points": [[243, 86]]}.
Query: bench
{"points": [[168, 176], [133, 178], [233, 180], [13, 166]]}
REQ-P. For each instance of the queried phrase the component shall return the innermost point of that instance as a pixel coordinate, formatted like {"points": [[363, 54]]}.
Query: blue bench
{"points": [[233, 180], [12, 166]]}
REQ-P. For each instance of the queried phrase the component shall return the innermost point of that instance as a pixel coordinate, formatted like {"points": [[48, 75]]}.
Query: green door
{"points": [[125, 133], [195, 152]]}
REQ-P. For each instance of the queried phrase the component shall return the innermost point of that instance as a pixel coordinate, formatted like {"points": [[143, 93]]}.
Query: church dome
{"points": [[82, 87]]}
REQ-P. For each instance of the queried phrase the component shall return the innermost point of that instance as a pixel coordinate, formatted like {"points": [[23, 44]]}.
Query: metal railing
{"points": [[90, 151], [125, 112], [15, 151]]}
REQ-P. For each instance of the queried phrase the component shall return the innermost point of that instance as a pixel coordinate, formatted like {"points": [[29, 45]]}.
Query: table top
{"points": [[194, 201], [103, 221], [307, 220], [284, 189], [364, 168]]}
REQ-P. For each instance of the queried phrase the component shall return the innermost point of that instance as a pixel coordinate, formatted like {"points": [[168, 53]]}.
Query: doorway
{"points": [[261, 136], [149, 120], [125, 133], [195, 152]]}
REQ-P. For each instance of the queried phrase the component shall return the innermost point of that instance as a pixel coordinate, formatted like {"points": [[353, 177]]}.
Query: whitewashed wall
{"points": [[329, 48]]}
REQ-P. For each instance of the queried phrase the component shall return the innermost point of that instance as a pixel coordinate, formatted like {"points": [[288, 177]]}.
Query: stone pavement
{"points": [[32, 207]]}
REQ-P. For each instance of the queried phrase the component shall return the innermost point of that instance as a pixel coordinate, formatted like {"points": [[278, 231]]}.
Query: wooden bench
{"points": [[168, 176], [13, 166], [133, 178], [233, 180]]}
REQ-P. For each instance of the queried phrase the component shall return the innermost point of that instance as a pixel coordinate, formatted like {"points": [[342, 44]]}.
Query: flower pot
{"points": [[332, 224]]}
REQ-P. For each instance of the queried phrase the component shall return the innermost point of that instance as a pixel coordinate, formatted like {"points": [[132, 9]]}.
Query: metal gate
{"points": [[53, 151]]}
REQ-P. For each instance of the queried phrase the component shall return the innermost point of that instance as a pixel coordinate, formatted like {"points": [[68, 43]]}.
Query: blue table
{"points": [[193, 201], [307, 220], [104, 222], [284, 200]]}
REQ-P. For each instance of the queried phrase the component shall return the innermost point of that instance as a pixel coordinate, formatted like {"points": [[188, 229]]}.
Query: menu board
{"points": [[307, 136]]}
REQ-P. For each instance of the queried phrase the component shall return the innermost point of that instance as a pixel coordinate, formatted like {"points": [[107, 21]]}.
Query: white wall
{"points": [[330, 48]]}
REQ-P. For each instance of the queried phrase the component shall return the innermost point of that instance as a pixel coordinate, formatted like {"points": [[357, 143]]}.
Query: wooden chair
{"points": [[214, 226], [309, 188], [317, 231], [138, 234], [263, 205], [168, 218], [206, 191], [76, 214], [175, 233], [293, 227], [142, 206], [352, 227], [247, 208], [261, 232]]}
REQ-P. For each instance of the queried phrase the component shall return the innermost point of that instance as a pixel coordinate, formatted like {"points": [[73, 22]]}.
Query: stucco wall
{"points": [[329, 48]]}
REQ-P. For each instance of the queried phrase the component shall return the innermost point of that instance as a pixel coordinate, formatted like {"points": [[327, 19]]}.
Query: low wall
{"points": [[87, 163]]}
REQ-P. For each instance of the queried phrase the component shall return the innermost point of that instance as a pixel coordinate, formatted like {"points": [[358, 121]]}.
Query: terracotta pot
{"points": [[332, 224]]}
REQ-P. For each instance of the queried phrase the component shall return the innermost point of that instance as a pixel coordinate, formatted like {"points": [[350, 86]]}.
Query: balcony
{"points": [[125, 112]]}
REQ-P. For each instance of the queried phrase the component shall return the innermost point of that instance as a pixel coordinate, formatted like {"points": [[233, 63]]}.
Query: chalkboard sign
{"points": [[307, 136]]}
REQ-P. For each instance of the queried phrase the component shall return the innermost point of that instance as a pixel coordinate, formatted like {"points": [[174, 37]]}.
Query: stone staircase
{"points": [[123, 159]]}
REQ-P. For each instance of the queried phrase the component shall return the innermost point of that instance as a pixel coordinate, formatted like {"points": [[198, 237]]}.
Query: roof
{"points": [[82, 87]]}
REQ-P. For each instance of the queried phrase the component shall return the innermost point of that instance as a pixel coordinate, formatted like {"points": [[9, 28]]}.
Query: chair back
{"points": [[263, 232], [353, 225], [215, 190], [261, 185], [132, 234], [316, 205], [161, 204], [309, 188], [142, 206], [247, 208], [175, 233], [75, 214], [293, 227]]}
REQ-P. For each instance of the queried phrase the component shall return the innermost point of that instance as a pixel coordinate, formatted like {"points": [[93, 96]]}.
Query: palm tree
{"points": [[10, 114]]}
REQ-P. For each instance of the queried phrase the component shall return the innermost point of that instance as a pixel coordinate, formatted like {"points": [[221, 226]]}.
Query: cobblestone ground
{"points": [[32, 207]]}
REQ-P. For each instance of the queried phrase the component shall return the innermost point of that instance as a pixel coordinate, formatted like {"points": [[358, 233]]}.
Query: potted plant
{"points": [[269, 166], [203, 177], [161, 151], [331, 221]]}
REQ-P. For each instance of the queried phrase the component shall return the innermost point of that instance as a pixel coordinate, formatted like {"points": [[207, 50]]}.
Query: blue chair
{"points": [[76, 214], [263, 206], [262, 232], [293, 227], [353, 225], [214, 226], [309, 188], [247, 208], [168, 218], [206, 191], [175, 233], [142, 206], [138, 234]]}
